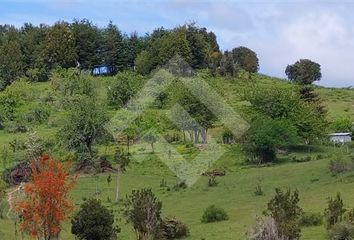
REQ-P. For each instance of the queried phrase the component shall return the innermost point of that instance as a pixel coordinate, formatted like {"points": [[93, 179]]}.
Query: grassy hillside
{"points": [[235, 191]]}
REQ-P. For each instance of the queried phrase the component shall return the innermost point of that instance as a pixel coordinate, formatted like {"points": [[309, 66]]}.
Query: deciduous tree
{"points": [[46, 204]]}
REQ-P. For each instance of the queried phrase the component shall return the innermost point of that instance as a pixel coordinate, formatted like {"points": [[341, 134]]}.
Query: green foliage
{"points": [[88, 42], [3, 187], [334, 211], [265, 136], [311, 219], [94, 222], [343, 125], [304, 72], [69, 83], [112, 48], [214, 214], [125, 86], [11, 62], [285, 211], [194, 45], [287, 104], [122, 158], [143, 210], [83, 127], [246, 59], [59, 46]]}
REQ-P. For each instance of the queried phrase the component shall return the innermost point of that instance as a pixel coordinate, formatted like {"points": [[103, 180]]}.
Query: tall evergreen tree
{"points": [[112, 50], [88, 42], [60, 49]]}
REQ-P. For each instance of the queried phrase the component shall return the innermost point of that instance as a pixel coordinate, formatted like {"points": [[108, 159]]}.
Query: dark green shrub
{"points": [[174, 229], [94, 222], [284, 209], [214, 214], [334, 212], [311, 219]]}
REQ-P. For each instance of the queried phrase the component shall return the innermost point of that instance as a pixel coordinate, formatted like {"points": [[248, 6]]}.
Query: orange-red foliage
{"points": [[46, 204]]}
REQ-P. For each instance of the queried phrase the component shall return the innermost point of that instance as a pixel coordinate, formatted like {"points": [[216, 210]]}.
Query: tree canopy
{"points": [[304, 72]]}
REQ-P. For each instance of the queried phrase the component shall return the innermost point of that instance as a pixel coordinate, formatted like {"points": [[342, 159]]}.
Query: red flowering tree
{"points": [[46, 203]]}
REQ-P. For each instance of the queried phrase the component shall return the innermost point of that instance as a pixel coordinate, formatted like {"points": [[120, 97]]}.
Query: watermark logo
{"points": [[210, 150]]}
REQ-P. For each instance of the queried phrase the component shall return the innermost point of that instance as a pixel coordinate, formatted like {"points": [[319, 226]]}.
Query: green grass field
{"points": [[235, 191]]}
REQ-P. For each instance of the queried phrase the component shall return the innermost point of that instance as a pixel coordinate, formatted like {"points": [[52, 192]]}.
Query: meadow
{"points": [[235, 190]]}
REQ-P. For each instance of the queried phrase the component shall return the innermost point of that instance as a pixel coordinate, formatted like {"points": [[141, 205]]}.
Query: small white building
{"points": [[340, 137]]}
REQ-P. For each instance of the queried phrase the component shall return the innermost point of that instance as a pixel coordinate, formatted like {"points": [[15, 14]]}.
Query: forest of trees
{"points": [[33, 51]]}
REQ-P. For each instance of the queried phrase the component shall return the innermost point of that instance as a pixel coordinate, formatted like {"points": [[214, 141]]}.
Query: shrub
{"points": [[334, 212], [212, 181], [180, 185], [214, 214], [174, 229], [94, 222], [265, 136], [286, 212], [339, 165], [265, 229], [342, 231], [143, 210], [311, 219], [125, 86]]}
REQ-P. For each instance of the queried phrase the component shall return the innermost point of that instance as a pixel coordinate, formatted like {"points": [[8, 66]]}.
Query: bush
{"points": [[334, 212], [311, 219], [125, 86], [342, 231], [174, 229], [284, 209], [143, 211], [339, 165], [214, 214], [94, 222]]}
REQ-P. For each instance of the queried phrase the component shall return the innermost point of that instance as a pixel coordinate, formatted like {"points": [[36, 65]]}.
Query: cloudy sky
{"points": [[280, 31]]}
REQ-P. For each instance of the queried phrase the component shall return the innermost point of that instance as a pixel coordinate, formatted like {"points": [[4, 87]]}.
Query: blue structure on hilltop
{"points": [[103, 70]]}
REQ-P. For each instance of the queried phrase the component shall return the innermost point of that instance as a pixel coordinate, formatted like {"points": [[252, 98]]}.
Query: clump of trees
{"points": [[266, 136], [279, 119]]}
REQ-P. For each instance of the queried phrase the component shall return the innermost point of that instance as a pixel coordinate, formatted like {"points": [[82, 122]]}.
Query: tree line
{"points": [[33, 51]]}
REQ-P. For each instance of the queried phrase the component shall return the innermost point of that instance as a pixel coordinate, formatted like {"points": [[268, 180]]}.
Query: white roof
{"points": [[340, 134]]}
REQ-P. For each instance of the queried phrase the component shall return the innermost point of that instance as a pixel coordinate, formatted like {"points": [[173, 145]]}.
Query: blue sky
{"points": [[280, 31]]}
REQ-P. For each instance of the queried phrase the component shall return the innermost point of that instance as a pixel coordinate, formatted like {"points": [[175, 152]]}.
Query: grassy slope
{"points": [[234, 192]]}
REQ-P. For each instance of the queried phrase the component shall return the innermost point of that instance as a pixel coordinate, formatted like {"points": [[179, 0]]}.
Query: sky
{"points": [[279, 31]]}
